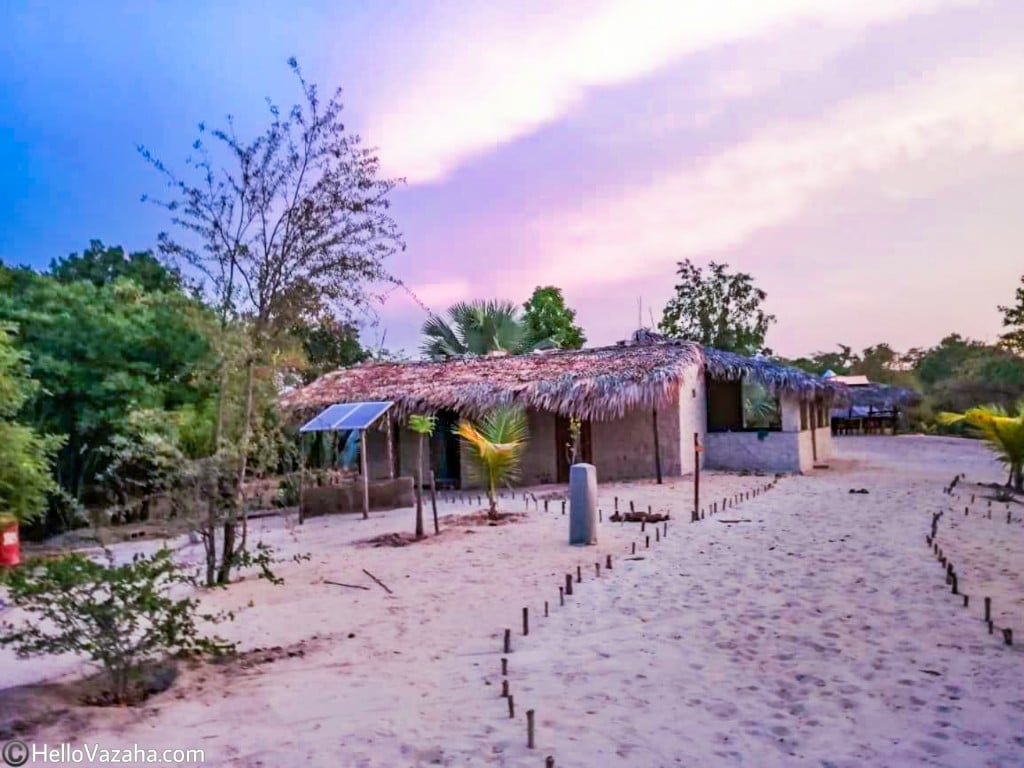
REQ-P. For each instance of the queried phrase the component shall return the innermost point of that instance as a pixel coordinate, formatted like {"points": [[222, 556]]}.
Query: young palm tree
{"points": [[1003, 432], [496, 447], [477, 328], [424, 427]]}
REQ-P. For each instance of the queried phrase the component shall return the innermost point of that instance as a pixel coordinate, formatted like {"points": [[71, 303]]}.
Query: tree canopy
{"points": [[25, 456], [718, 309], [102, 266], [1013, 319], [547, 317], [479, 328]]}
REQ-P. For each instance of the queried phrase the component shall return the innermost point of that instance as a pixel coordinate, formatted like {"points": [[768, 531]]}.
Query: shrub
{"points": [[118, 616]]}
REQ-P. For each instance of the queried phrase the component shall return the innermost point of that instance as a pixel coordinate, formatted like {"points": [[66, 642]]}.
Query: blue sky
{"points": [[864, 161]]}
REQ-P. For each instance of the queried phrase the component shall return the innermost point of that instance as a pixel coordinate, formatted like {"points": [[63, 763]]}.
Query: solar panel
{"points": [[346, 416]]}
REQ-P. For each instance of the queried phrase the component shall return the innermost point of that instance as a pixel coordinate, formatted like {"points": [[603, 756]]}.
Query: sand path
{"points": [[820, 633]]}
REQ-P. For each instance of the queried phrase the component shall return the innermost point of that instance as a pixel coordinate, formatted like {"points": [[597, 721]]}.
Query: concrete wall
{"points": [[623, 449], [693, 417], [790, 450], [822, 445], [765, 451], [540, 460]]}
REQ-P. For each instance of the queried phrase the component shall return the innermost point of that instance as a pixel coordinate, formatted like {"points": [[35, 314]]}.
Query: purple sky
{"points": [[863, 160]]}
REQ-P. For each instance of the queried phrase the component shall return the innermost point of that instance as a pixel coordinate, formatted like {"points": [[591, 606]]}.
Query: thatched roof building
{"points": [[600, 383], [882, 397]]}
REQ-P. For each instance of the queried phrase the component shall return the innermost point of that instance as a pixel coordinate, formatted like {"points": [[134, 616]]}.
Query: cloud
{"points": [[492, 79], [722, 201]]}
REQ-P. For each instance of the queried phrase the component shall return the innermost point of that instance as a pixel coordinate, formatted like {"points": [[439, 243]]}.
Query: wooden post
{"points": [[549, 762], [508, 641], [657, 445], [529, 729], [302, 472], [545, 609], [608, 562], [526, 621], [1008, 636], [433, 499], [504, 689], [561, 595], [568, 584], [597, 570], [988, 609], [511, 707], [696, 474], [366, 474], [504, 667], [391, 449], [579, 574]]}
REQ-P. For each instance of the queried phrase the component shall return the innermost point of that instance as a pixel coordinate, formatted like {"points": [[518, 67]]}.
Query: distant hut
{"points": [[872, 408]]}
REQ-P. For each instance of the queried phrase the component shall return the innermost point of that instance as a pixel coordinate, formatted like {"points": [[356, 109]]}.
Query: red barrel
{"points": [[10, 545]]}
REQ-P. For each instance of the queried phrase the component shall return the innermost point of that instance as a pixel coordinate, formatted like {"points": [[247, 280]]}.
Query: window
{"points": [[737, 406]]}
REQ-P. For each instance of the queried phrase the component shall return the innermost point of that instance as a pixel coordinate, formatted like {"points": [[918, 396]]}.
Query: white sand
{"points": [[799, 638]]}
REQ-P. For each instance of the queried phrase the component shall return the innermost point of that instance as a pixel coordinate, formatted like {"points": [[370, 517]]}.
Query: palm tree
{"points": [[1003, 432], [477, 328], [496, 447], [424, 427]]}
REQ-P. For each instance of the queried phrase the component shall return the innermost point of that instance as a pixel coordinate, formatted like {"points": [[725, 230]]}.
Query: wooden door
{"points": [[584, 454]]}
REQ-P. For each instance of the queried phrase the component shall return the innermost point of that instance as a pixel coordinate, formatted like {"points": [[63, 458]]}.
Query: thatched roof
{"points": [[883, 397], [773, 376], [599, 384]]}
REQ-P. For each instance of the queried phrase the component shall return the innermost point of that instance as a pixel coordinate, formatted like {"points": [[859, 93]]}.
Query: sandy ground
{"points": [[819, 633]]}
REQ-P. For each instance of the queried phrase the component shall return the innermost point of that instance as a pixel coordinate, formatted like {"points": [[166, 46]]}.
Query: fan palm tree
{"points": [[477, 328], [424, 427], [1004, 432], [496, 447]]}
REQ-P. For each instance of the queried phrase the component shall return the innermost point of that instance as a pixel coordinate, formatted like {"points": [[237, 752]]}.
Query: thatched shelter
{"points": [[872, 407], [641, 403]]}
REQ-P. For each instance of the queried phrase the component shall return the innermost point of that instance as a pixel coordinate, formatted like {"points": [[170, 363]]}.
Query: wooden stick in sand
{"points": [[508, 641], [350, 586], [526, 621], [385, 586], [529, 729], [568, 584], [511, 707]]}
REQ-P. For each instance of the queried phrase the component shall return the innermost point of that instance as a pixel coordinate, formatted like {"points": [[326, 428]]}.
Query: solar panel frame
{"points": [[342, 417]]}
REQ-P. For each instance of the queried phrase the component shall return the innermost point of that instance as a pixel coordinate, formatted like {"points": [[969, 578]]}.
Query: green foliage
{"points": [[572, 447], [118, 616], [423, 424], [328, 346], [496, 448], [1003, 431], [142, 459], [25, 456], [479, 328], [99, 353], [720, 309], [1013, 319], [760, 409], [547, 317], [105, 266]]}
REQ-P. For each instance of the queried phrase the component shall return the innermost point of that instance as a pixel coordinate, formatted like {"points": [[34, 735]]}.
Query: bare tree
{"points": [[291, 226]]}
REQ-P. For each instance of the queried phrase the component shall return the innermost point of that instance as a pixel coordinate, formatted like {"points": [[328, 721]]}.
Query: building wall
{"points": [[766, 451], [822, 445], [693, 417], [540, 460], [623, 449]]}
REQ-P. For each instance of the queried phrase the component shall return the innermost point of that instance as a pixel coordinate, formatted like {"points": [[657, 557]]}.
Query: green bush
{"points": [[121, 617]]}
